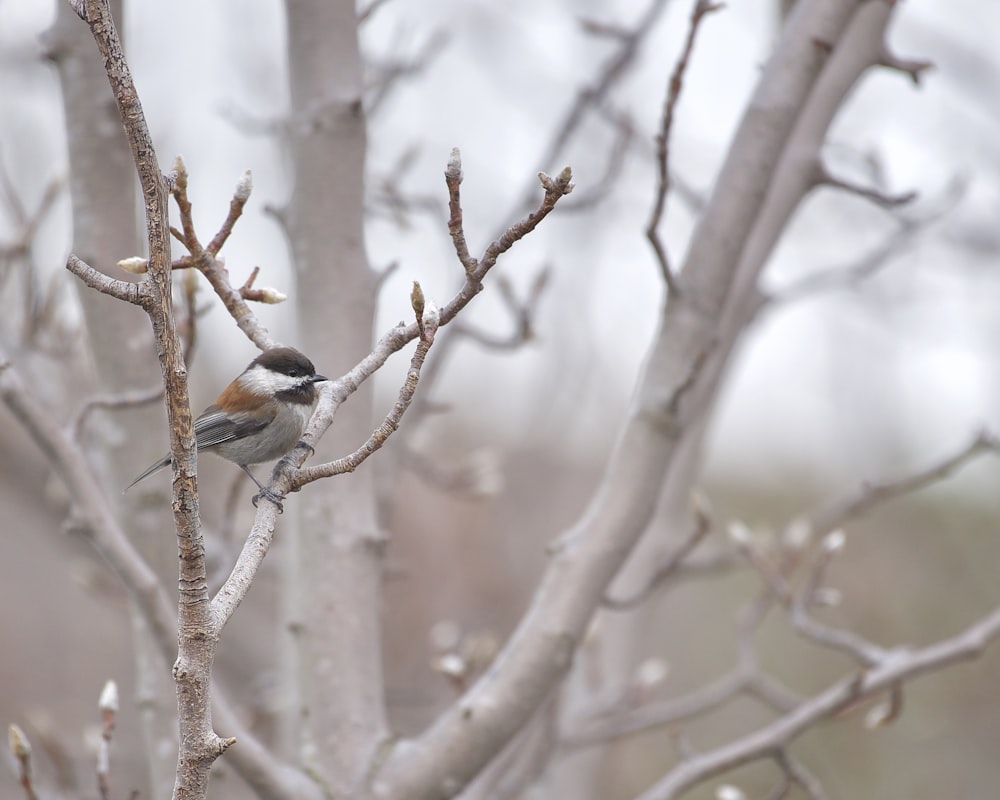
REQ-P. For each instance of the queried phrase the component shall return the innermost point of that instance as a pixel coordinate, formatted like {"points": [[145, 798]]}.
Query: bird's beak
{"points": [[319, 378]]}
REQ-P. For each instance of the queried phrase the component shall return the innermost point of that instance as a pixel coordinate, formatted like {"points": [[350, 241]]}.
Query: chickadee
{"points": [[260, 416]]}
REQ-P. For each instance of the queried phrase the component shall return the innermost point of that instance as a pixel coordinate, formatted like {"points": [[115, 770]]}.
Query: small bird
{"points": [[260, 416]]}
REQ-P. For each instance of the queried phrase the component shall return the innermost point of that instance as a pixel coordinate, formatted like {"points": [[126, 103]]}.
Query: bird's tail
{"points": [[163, 462]]}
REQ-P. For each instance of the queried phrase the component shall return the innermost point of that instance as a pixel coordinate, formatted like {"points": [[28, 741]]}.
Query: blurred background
{"points": [[863, 380]]}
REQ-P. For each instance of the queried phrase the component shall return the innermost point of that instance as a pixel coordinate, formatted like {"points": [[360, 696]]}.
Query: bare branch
{"points": [[204, 258], [853, 274], [839, 512], [899, 666], [366, 13], [599, 190], [135, 293], [867, 653], [428, 322], [913, 67], [131, 399], [453, 178], [703, 524], [825, 177], [389, 73], [241, 194], [798, 775], [700, 10], [258, 543], [593, 95]]}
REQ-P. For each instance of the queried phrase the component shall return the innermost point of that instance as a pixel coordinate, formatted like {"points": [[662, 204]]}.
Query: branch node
{"points": [[913, 67]]}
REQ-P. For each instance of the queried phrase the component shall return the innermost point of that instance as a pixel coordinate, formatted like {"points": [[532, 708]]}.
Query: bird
{"points": [[258, 417]]}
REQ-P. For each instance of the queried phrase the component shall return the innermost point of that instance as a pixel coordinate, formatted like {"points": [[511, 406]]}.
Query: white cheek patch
{"points": [[267, 382]]}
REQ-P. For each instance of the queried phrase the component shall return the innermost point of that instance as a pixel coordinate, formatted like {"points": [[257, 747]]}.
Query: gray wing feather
{"points": [[215, 427]]}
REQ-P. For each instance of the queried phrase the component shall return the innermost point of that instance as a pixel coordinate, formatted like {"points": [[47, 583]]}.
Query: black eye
{"points": [[294, 372]]}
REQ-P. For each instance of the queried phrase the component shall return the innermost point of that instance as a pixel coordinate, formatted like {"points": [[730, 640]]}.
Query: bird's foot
{"points": [[304, 443], [267, 494]]}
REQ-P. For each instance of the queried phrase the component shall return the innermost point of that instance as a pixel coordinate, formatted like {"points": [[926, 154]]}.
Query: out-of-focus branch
{"points": [[138, 397], [522, 762], [703, 524], [591, 552], [850, 275], [16, 255], [619, 721], [839, 512], [795, 774], [700, 10], [914, 68], [592, 96], [389, 73], [897, 667], [369, 10], [826, 178], [867, 653], [747, 676]]}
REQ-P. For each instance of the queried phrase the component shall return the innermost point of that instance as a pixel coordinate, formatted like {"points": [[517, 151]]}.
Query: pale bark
{"points": [[336, 581]]}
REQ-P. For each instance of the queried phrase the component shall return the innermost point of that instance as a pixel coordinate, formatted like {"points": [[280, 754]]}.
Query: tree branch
{"points": [[591, 552], [700, 10], [137, 294], [899, 666]]}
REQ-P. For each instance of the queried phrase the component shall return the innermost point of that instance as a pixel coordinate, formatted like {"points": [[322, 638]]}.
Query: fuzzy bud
{"points": [[432, 315], [244, 186], [136, 265], [833, 542], [451, 666], [651, 673], [740, 534], [179, 167], [417, 300], [20, 747], [272, 296], [109, 697]]}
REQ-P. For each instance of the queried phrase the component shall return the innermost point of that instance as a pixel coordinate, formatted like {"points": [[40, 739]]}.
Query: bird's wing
{"points": [[214, 426]]}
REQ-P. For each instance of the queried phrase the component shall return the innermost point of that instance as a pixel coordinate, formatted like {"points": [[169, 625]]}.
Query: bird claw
{"points": [[267, 494], [304, 443]]}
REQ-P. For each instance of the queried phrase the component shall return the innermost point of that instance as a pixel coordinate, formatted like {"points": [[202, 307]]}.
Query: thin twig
{"points": [[698, 13], [867, 653], [898, 667], [592, 96], [127, 399], [851, 275], [135, 293], [453, 178], [839, 512], [826, 178], [206, 261], [796, 774], [350, 462]]}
